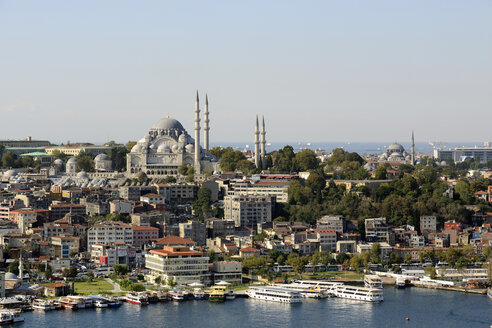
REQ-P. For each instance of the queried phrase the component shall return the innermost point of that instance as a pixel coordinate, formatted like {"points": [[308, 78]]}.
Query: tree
{"points": [[408, 259], [138, 287], [356, 263], [14, 267], [183, 169], [283, 160], [203, 202], [375, 253], [118, 158], [49, 272], [158, 280], [171, 282], [316, 182], [230, 159], [70, 272], [85, 163], [8, 160], [463, 189], [170, 179], [129, 145], [211, 256], [380, 173], [306, 160], [120, 270]]}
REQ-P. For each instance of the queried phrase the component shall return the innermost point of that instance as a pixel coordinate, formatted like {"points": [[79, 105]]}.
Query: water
{"points": [[424, 307], [361, 148]]}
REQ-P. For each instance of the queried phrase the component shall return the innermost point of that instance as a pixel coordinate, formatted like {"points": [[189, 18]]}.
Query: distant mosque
{"points": [[395, 153], [167, 145]]}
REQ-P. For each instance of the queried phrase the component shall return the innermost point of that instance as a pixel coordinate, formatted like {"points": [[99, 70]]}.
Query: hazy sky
{"points": [[318, 70]]}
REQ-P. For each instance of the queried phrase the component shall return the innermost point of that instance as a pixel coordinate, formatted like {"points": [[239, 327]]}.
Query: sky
{"points": [[319, 71]]}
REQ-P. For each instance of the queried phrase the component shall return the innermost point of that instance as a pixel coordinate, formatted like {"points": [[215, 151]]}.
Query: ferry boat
{"points": [[359, 293], [6, 318], [217, 293], [69, 304], [328, 286], [99, 301], [136, 298], [305, 291], [43, 305], [373, 281], [177, 295], [274, 294], [17, 315]]}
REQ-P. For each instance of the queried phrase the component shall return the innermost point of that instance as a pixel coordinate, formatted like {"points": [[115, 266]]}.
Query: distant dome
{"points": [[10, 276], [182, 137], [72, 160], [136, 148], [58, 162], [102, 157], [167, 123], [10, 173], [396, 147], [82, 175]]}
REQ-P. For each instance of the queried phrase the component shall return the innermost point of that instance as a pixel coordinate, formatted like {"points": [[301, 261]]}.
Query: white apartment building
{"points": [[181, 263], [248, 211], [106, 232]]}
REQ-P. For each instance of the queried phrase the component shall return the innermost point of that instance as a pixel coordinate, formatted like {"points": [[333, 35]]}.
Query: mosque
{"points": [[167, 145], [397, 154]]}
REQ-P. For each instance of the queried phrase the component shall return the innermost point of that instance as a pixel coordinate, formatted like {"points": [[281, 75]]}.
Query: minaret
{"points": [[257, 144], [263, 143], [206, 127], [412, 154], [197, 135], [21, 266]]}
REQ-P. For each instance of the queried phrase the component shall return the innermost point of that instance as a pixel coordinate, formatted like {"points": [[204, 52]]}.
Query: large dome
{"points": [[167, 123]]}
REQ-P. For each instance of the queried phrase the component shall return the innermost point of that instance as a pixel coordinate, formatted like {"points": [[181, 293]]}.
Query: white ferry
{"points": [[274, 294], [43, 305], [373, 281], [305, 291], [136, 298], [359, 293], [327, 286]]}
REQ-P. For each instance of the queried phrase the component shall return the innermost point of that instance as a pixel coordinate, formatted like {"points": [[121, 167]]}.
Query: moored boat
{"points": [[137, 298], [274, 294], [217, 293], [400, 282], [6, 318], [198, 294], [305, 290], [373, 281], [43, 305], [177, 295], [230, 295], [359, 293], [68, 303]]}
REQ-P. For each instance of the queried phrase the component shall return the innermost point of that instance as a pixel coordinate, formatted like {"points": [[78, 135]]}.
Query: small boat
{"points": [[17, 314], [6, 318], [177, 295], [199, 294], [400, 282], [43, 305], [274, 294], [69, 304], [137, 298], [230, 295]]}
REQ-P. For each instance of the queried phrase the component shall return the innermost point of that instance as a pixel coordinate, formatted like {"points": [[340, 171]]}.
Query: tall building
{"points": [[248, 210], [167, 145], [257, 144], [107, 232], [459, 154]]}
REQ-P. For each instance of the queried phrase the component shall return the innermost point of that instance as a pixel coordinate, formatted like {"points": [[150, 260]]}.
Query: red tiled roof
{"points": [[174, 240]]}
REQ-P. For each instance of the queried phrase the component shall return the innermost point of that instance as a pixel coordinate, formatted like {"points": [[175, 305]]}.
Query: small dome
{"points": [[10, 173], [72, 160], [167, 123], [396, 147], [10, 276], [141, 141], [182, 137], [102, 157], [136, 148], [189, 148], [82, 175], [174, 148], [58, 162]]}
